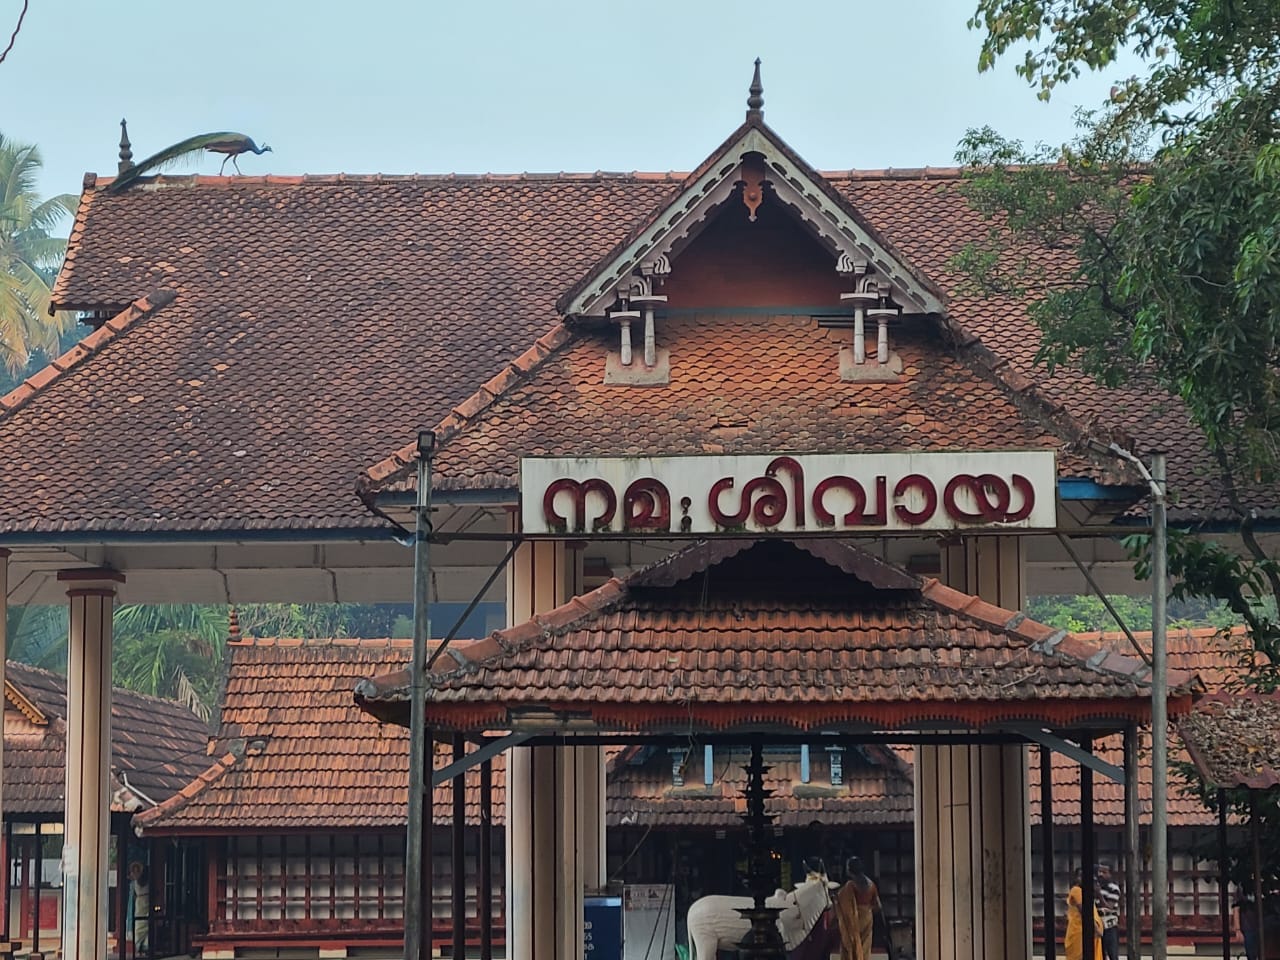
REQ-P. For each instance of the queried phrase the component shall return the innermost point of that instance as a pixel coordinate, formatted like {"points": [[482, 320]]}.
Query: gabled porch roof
{"points": [[737, 635]]}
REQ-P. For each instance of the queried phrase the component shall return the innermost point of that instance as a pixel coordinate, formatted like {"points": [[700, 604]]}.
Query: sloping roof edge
{"points": [[24, 705], [401, 462], [139, 309], [157, 814]]}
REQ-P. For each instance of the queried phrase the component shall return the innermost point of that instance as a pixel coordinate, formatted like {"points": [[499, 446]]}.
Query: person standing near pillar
{"points": [[1073, 945], [1108, 910]]}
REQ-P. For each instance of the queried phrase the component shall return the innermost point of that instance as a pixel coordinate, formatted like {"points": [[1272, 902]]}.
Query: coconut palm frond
{"points": [[184, 151], [186, 694]]}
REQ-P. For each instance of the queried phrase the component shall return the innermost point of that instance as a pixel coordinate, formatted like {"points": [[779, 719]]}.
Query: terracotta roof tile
{"points": [[565, 405], [1233, 738], [753, 649], [876, 791], [158, 745], [321, 321], [297, 752]]}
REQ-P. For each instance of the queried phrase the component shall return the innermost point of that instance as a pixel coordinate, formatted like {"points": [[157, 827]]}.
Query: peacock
{"points": [[229, 144]]}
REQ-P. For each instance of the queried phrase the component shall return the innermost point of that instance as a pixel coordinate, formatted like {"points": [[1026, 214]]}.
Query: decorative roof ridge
{"points": [[140, 309], [92, 182], [24, 704], [554, 622], [1052, 641], [166, 808], [319, 642], [754, 123], [399, 464]]}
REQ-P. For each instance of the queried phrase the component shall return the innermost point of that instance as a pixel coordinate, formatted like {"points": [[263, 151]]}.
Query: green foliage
{"points": [[29, 256], [1196, 51], [170, 650], [38, 635], [1151, 247]]}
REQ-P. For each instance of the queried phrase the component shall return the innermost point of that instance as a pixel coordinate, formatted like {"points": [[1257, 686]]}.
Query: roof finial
{"points": [[126, 154], [755, 100], [233, 625]]}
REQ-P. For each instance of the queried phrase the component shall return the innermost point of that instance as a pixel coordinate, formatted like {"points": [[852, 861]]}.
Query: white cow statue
{"points": [[714, 921]]}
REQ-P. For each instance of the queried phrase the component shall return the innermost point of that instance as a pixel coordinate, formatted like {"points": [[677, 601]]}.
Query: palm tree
{"points": [[171, 650], [29, 257]]}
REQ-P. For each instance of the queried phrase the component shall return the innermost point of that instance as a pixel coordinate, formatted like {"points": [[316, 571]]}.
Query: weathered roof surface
{"points": [[1218, 658], [158, 746], [1233, 738], [731, 643], [776, 388], [293, 750], [319, 322], [876, 790]]}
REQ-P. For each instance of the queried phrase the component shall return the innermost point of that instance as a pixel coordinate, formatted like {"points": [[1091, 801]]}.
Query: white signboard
{"points": [[785, 493]]}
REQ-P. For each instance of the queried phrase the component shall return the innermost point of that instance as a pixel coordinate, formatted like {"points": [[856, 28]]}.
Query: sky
{"points": [[396, 86]]}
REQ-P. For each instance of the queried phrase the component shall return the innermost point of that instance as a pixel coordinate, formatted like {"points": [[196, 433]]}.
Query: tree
{"points": [[171, 650], [29, 257], [1162, 226]]}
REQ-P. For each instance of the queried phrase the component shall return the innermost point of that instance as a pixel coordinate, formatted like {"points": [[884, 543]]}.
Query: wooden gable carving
{"points": [[753, 166]]}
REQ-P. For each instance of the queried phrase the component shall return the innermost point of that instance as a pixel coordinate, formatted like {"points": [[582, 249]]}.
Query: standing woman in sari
{"points": [[1075, 928]]}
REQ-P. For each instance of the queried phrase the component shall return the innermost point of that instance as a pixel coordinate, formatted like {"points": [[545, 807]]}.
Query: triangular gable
{"points": [[650, 248]]}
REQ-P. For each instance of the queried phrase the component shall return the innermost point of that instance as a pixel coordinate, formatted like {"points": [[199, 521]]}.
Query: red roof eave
{"points": [[471, 715]]}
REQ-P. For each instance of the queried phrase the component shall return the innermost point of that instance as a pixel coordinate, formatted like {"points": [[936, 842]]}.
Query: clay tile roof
{"points": [[294, 751], [1219, 658], [876, 790], [778, 390], [320, 322], [729, 643], [1234, 738], [157, 746]]}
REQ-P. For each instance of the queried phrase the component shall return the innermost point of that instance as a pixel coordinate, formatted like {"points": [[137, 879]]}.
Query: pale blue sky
{"points": [[430, 87]]}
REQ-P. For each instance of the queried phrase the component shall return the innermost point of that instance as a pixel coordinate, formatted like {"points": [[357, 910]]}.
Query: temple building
{"points": [[299, 817], [733, 461], [158, 746]]}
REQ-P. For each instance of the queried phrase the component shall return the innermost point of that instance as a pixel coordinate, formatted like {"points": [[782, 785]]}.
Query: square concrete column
{"points": [[972, 806], [555, 795], [92, 595]]}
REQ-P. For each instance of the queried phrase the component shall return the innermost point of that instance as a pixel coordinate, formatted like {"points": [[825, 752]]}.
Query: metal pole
{"points": [[1159, 717], [1255, 827], [458, 847], [1046, 854], [1132, 844], [1224, 905], [417, 885], [39, 881], [1088, 854], [484, 872]]}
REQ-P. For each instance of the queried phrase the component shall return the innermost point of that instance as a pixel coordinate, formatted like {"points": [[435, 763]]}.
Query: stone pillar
{"points": [[92, 595], [972, 806], [555, 795]]}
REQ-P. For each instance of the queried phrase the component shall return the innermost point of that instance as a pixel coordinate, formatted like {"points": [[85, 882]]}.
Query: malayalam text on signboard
{"points": [[788, 493]]}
